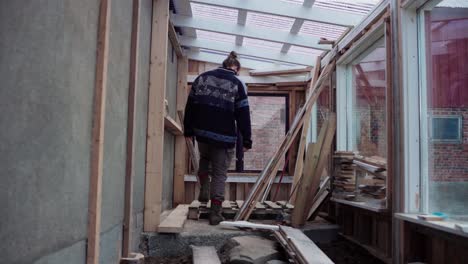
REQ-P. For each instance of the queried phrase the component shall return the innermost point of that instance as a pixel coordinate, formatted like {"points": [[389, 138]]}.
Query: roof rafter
{"points": [[279, 8], [301, 59], [250, 32], [218, 58], [241, 19], [296, 27]]}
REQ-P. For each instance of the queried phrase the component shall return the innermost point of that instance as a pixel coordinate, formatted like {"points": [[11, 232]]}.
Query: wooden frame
{"points": [[155, 130], [97, 143], [131, 112], [180, 161]]}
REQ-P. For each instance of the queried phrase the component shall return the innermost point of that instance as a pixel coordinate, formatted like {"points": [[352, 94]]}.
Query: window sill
{"points": [[446, 226], [362, 205]]}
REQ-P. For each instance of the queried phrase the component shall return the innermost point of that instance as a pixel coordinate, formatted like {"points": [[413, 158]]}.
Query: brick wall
{"points": [[449, 162], [268, 115]]}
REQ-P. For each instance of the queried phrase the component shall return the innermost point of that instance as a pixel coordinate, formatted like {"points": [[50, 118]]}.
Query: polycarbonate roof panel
{"points": [[262, 44], [454, 3], [321, 30], [269, 21], [350, 6], [307, 51], [224, 14], [201, 34]]}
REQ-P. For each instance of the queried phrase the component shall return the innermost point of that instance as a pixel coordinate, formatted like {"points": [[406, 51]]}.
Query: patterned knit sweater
{"points": [[216, 104]]}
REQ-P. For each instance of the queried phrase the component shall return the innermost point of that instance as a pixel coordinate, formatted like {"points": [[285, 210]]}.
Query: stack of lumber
{"points": [[299, 247], [268, 174], [344, 179], [373, 183]]}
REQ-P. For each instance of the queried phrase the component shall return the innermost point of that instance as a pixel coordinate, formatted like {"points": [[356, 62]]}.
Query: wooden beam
{"points": [[249, 32], [131, 111], [97, 143], [155, 131], [180, 161], [172, 126], [278, 8], [174, 222], [175, 40], [280, 72]]}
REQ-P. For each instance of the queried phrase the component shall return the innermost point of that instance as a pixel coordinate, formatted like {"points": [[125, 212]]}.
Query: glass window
{"points": [[367, 133], [443, 34]]}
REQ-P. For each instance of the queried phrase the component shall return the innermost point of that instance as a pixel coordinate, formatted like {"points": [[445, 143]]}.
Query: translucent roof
{"points": [[272, 28]]}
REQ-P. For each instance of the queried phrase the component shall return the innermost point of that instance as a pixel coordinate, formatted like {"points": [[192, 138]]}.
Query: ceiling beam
{"points": [[301, 59], [218, 58], [183, 7], [241, 20], [265, 79], [279, 8], [250, 32], [296, 27]]}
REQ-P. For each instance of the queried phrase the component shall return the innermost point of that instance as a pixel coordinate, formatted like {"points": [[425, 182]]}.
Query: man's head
{"points": [[231, 62]]}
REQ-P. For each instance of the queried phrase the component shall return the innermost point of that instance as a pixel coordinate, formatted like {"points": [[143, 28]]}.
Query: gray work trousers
{"points": [[215, 162]]}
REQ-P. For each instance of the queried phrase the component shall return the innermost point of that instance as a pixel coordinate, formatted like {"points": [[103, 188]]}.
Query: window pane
{"points": [[445, 153], [369, 104]]}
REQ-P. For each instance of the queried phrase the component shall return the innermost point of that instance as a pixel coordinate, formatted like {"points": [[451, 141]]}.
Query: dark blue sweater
{"points": [[217, 102]]}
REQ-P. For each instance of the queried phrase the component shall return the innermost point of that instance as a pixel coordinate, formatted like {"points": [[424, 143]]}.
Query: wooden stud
{"points": [[155, 132], [175, 40], [180, 152], [132, 97], [97, 144], [172, 126], [280, 72]]}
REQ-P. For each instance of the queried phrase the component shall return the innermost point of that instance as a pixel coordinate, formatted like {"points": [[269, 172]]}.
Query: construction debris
{"points": [[205, 255]]}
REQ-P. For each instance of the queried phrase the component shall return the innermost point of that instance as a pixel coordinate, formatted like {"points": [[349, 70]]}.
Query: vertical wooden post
{"points": [[155, 131], [97, 144], [180, 161], [132, 95]]}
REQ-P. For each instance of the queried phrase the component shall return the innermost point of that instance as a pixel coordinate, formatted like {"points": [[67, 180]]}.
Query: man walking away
{"points": [[216, 107]]}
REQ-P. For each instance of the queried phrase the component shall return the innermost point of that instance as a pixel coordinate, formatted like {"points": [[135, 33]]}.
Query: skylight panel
{"points": [[305, 51], [224, 14], [269, 21], [262, 44], [201, 34], [321, 30], [350, 6]]}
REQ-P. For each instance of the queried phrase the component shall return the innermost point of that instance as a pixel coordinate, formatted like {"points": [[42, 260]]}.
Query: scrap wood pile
{"points": [[308, 193]]}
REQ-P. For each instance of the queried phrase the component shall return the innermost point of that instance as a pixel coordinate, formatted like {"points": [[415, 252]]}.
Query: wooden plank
{"points": [[175, 40], [172, 126], [298, 170], [130, 155], [180, 148], [280, 72], [155, 131], [205, 255], [304, 246], [97, 143], [318, 201], [285, 204], [272, 167], [239, 191], [226, 204], [174, 222], [273, 205], [193, 212], [239, 203], [317, 157], [245, 224]]}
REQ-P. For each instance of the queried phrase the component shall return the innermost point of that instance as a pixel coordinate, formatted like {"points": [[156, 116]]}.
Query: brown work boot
{"points": [[204, 194], [216, 216]]}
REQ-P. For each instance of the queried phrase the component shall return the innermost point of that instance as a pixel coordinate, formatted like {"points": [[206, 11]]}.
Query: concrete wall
{"points": [[47, 74]]}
